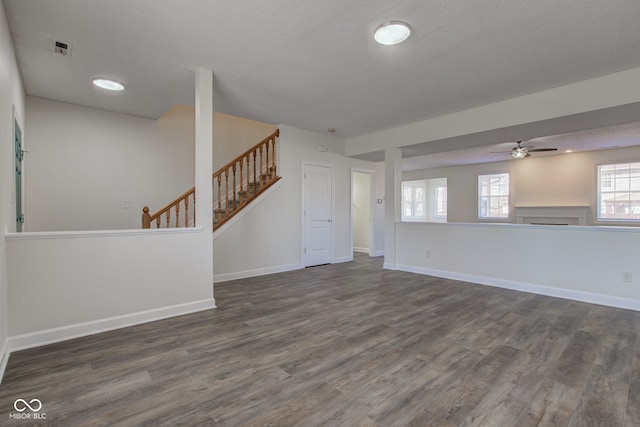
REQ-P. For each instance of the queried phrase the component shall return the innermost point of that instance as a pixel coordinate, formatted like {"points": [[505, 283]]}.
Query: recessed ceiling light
{"points": [[108, 84], [392, 32], [569, 151]]}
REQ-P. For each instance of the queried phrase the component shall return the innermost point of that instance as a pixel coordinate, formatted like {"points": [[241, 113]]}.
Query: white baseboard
{"points": [[378, 253], [572, 294], [389, 266], [343, 259], [4, 358], [359, 249], [217, 278], [50, 336]]}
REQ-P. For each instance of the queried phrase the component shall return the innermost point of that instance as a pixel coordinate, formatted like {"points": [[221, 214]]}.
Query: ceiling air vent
{"points": [[62, 48]]}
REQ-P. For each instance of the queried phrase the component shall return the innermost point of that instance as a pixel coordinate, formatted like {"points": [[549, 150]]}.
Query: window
{"points": [[425, 200], [414, 200], [493, 196], [619, 192]]}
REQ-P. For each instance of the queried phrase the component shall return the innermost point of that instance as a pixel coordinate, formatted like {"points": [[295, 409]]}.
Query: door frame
{"points": [[372, 206], [303, 234]]}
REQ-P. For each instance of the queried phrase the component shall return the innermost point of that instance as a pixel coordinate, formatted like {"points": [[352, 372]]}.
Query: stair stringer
{"points": [[246, 209]]}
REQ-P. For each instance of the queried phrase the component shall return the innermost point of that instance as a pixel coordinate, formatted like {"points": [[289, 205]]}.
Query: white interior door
{"points": [[318, 215]]}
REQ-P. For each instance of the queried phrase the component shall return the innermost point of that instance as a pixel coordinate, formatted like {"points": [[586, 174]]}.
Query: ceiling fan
{"points": [[522, 151]]}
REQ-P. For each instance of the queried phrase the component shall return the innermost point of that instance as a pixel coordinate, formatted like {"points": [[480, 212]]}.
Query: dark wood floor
{"points": [[347, 345]]}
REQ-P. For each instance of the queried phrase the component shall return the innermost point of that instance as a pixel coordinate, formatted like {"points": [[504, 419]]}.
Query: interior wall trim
{"points": [[224, 277], [63, 333], [533, 288]]}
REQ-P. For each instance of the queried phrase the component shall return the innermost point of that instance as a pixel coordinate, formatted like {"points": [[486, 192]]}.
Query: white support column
{"points": [[204, 160], [204, 149], [393, 198]]}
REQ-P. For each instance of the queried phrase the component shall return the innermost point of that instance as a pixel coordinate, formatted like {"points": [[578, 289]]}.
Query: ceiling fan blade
{"points": [[542, 149]]}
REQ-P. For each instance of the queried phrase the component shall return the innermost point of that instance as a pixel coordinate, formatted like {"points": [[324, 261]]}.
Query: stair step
{"points": [[244, 197], [222, 211]]}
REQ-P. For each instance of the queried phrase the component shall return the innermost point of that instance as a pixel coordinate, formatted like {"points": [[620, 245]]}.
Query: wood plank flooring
{"points": [[347, 345]]}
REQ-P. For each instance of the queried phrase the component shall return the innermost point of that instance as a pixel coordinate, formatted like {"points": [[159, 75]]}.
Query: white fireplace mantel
{"points": [[555, 215]]}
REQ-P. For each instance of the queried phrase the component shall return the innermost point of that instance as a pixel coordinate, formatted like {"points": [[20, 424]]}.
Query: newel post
{"points": [[146, 218]]}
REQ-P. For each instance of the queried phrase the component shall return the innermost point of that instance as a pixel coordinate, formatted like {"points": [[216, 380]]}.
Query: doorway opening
{"points": [[362, 194]]}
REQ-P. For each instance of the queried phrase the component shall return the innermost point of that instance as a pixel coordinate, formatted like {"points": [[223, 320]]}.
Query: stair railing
{"points": [[234, 186], [182, 200]]}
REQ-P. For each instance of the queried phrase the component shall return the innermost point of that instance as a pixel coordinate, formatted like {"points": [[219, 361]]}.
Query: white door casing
{"points": [[317, 215]]}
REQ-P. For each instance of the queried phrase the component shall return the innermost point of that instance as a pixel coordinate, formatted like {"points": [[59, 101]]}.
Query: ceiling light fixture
{"points": [[392, 32], [108, 84], [569, 151], [519, 153]]}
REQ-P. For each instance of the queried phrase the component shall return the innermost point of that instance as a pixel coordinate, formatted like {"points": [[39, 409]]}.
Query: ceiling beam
{"points": [[613, 91]]}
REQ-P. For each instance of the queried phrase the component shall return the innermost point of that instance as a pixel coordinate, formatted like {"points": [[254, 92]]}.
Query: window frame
{"points": [[479, 196], [597, 202], [444, 217], [413, 218]]}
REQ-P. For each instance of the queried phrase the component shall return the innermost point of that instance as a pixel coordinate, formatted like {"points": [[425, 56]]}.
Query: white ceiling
{"points": [[314, 64], [620, 136]]}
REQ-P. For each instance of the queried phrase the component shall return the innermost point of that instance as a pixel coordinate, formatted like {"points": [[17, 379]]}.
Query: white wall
{"points": [[361, 211], [68, 284], [583, 263], [63, 280], [84, 163], [274, 226], [11, 95], [560, 180], [234, 135]]}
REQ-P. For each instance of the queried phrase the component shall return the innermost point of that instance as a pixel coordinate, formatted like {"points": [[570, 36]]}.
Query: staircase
{"points": [[235, 185]]}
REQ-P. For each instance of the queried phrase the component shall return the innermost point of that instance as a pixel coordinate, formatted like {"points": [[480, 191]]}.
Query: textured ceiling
{"points": [[314, 64]]}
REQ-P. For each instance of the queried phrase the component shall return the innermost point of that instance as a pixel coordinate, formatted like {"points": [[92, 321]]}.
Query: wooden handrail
{"points": [[250, 186], [220, 171], [150, 218]]}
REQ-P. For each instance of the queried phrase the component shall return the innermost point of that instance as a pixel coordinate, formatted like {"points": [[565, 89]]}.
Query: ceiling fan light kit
{"points": [[521, 152]]}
